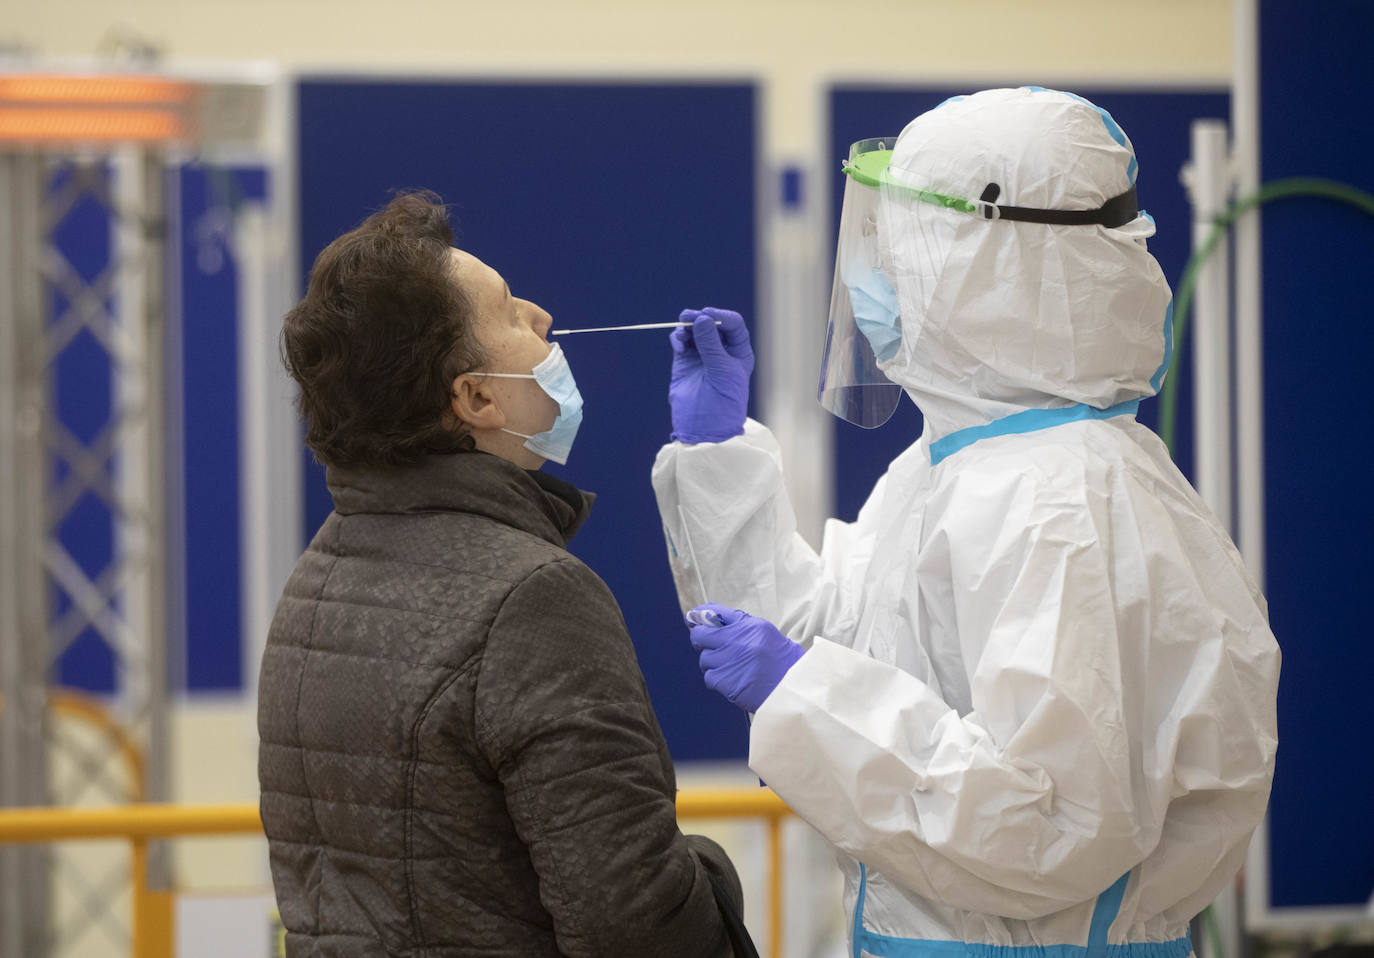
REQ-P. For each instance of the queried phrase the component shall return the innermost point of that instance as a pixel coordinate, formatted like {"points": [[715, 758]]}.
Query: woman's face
{"points": [[513, 332]]}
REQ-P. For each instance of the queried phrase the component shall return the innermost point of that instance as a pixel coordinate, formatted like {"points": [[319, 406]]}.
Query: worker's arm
{"points": [[1112, 688]]}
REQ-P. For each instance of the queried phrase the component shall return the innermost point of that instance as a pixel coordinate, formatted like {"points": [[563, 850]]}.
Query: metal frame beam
{"points": [[122, 308], [23, 597]]}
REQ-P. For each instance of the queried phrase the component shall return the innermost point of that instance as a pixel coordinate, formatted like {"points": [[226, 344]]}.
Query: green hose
{"points": [[1214, 941], [1298, 186]]}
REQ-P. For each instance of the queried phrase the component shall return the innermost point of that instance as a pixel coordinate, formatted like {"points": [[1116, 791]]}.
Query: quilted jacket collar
{"points": [[470, 482]]}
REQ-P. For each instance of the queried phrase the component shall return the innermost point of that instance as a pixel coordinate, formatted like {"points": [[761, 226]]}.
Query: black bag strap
{"points": [[740, 941]]}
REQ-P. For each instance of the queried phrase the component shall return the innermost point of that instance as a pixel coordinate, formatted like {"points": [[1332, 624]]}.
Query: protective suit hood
{"points": [[1001, 317]]}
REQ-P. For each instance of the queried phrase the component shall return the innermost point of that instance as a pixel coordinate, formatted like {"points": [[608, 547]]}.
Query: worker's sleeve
{"points": [[1109, 684], [732, 538], [564, 718]]}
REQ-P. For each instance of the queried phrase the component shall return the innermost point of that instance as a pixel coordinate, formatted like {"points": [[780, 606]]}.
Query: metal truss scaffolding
{"points": [[48, 598], [91, 163]]}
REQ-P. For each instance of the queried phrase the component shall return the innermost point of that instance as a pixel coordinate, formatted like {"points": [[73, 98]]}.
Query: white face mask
{"points": [[555, 377]]}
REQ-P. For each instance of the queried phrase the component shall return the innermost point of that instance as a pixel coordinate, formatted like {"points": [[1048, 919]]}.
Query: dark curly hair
{"points": [[379, 337]]}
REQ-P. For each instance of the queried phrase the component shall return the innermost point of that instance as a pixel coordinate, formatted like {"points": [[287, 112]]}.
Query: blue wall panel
{"points": [[1316, 87], [208, 380], [605, 204], [81, 391], [210, 398], [1157, 123]]}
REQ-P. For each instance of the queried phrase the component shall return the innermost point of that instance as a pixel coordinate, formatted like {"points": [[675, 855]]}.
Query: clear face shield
{"points": [[865, 324], [865, 328]]}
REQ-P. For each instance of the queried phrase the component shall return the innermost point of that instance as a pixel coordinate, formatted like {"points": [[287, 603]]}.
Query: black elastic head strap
{"points": [[1117, 211]]}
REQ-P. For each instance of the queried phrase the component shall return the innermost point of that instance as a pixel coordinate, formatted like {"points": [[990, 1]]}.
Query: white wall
{"points": [[790, 45]]}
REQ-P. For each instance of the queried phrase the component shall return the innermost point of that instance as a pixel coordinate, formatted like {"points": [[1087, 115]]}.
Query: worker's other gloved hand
{"points": [[709, 392], [744, 658]]}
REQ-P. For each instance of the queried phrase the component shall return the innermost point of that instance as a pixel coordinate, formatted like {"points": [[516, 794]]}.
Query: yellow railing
{"points": [[140, 824]]}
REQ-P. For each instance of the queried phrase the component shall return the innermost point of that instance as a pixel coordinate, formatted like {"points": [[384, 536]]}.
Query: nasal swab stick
{"points": [[611, 329]]}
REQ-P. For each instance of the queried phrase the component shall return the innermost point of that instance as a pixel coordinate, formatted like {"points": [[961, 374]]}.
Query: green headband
{"points": [[868, 162]]}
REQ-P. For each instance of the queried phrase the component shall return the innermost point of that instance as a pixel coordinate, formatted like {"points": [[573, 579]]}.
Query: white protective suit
{"points": [[1038, 703]]}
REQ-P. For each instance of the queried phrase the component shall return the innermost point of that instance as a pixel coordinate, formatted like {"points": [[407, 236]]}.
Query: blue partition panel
{"points": [[1157, 123], [1316, 87], [205, 376], [82, 387], [604, 203], [210, 409]]}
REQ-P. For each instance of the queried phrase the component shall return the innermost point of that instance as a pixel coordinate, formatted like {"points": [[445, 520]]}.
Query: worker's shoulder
{"points": [[1076, 460]]}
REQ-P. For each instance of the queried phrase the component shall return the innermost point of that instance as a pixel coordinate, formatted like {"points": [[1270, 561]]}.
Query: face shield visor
{"points": [[865, 327]]}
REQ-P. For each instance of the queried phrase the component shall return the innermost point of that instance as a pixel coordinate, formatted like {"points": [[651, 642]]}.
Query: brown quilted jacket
{"points": [[458, 755]]}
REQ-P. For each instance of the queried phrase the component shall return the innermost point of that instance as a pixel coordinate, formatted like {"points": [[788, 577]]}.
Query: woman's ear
{"points": [[475, 404]]}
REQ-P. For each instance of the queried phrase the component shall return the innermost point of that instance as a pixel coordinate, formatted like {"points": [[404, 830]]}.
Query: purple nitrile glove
{"points": [[709, 392], [745, 658]]}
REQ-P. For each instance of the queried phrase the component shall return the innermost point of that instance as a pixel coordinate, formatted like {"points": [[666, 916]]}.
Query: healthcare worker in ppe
{"points": [[1029, 694]]}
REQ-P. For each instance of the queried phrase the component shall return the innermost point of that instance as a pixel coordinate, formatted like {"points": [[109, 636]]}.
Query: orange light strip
{"points": [[75, 89], [90, 125]]}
